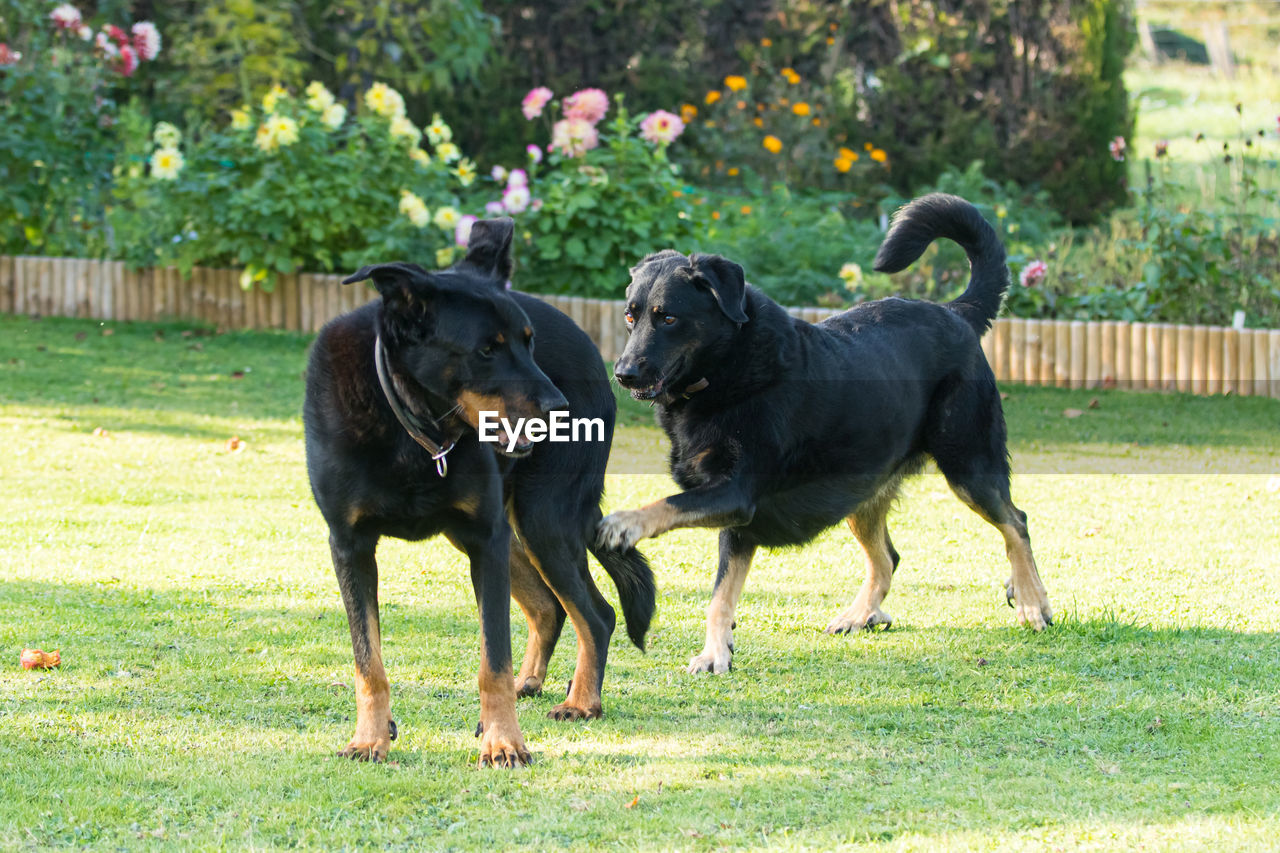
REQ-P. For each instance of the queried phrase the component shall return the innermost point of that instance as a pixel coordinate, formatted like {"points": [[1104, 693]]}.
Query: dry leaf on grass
{"points": [[1072, 413]]}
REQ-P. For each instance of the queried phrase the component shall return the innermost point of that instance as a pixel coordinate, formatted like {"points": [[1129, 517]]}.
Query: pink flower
{"points": [[1117, 149], [516, 199], [146, 40], [128, 60], [462, 233], [573, 137], [66, 17], [536, 205], [494, 208], [587, 104], [533, 102], [117, 35], [1033, 273], [661, 127], [7, 56], [535, 154], [518, 178], [105, 46]]}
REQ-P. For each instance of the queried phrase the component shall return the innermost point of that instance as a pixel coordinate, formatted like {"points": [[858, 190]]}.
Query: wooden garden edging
{"points": [[1065, 354]]}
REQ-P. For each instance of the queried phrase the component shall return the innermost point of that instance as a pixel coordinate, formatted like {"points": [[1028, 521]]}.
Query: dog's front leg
{"points": [[735, 561], [501, 744], [357, 572], [726, 504]]}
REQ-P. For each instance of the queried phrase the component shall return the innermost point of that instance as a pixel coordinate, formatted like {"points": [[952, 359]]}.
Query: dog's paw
{"points": [[374, 751], [565, 711], [858, 619], [1035, 617], [716, 662], [502, 746], [620, 531], [530, 686]]}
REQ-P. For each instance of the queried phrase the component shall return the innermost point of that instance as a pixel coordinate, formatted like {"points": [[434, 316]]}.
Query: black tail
{"points": [[636, 591], [929, 217]]}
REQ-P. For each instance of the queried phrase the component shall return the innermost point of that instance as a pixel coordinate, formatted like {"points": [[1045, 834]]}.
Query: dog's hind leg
{"points": [[357, 571], [868, 525], [735, 561], [545, 617]]}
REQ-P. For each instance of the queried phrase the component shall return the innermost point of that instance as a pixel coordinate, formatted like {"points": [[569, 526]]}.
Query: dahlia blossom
{"points": [[384, 100], [166, 135], [240, 119], [573, 137], [1117, 147], [518, 178], [448, 152], [515, 199], [446, 218], [146, 40], [66, 17], [499, 173], [494, 208], [128, 60], [106, 46], [402, 128], [7, 56], [535, 154], [415, 208], [333, 116], [166, 163], [462, 233], [661, 127], [117, 35], [533, 102], [438, 132], [1033, 273], [587, 104], [319, 98]]}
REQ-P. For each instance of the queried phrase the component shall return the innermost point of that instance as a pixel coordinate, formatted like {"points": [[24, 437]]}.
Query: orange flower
{"points": [[688, 112], [843, 164], [772, 144], [742, 105], [800, 108], [676, 193], [817, 122], [715, 214], [757, 121], [878, 155], [867, 145], [709, 123], [830, 41], [849, 154], [766, 42], [713, 96], [733, 171], [784, 102], [791, 75], [735, 82], [746, 210]]}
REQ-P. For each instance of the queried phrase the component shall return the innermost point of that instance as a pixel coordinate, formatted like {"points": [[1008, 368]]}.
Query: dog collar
{"points": [[412, 423], [700, 385]]}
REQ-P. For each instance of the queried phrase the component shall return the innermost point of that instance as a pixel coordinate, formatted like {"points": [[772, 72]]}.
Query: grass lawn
{"points": [[207, 676]]}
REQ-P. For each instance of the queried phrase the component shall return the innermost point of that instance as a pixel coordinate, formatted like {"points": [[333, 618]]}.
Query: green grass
{"points": [[207, 669]]}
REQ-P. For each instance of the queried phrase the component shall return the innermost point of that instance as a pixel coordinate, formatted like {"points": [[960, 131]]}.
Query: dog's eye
{"points": [[667, 319], [630, 318], [486, 351]]}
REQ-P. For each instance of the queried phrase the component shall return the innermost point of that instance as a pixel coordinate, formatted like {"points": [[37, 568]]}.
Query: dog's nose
{"points": [[627, 372], [551, 400]]}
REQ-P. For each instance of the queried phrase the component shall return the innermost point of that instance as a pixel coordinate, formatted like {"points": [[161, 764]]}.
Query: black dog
{"points": [[395, 392], [779, 429]]}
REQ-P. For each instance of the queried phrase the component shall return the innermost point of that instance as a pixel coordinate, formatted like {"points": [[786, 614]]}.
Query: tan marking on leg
{"points": [[1028, 590], [501, 743], [372, 739], [865, 612], [716, 656], [539, 607]]}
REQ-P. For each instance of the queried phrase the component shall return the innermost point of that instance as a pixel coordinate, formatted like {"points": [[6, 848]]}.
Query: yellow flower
{"points": [[401, 128], [713, 96], [791, 75], [438, 131], [166, 163], [817, 122], [448, 152], [766, 42], [446, 218], [240, 119], [757, 121], [800, 108], [384, 100], [735, 82], [465, 172], [851, 275], [878, 155], [868, 146], [772, 144], [266, 137], [415, 208], [420, 157], [709, 123], [830, 41], [843, 164], [318, 97], [688, 112], [333, 116], [444, 257], [284, 129], [849, 154], [273, 97], [733, 171]]}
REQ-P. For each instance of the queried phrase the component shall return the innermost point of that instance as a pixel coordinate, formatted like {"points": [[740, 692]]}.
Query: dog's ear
{"points": [[726, 282], [489, 247], [396, 282]]}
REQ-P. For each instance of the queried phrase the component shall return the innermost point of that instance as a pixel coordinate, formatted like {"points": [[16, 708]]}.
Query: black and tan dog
{"points": [[395, 392], [780, 429]]}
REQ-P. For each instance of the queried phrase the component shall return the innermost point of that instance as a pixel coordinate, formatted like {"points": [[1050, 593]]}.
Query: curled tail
{"points": [[636, 591], [929, 217]]}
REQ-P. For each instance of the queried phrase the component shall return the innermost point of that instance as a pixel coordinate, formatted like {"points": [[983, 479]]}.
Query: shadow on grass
{"points": [[1114, 720]]}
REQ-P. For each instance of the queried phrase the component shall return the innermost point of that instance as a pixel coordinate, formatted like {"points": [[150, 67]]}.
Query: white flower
{"points": [[146, 40], [516, 199], [333, 116], [166, 163], [446, 218], [66, 17], [166, 135]]}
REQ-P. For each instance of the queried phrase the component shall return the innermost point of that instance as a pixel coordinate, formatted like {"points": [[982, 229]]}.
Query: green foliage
{"points": [[295, 187]]}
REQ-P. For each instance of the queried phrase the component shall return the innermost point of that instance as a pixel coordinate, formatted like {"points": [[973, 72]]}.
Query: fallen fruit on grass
{"points": [[36, 659]]}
